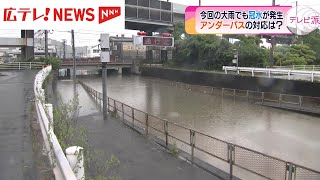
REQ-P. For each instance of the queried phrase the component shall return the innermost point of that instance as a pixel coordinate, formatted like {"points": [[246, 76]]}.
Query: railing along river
{"points": [[201, 146]]}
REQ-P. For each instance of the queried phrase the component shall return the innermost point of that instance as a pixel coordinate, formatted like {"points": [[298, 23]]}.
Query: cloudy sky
{"points": [[84, 37]]}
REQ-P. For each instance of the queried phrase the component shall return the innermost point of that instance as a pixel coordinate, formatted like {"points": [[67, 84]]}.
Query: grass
{"points": [[174, 149], [41, 162]]}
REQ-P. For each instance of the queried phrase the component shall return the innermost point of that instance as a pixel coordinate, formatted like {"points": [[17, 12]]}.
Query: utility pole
{"points": [[296, 21], [105, 58], [64, 50], [273, 43], [199, 2], [73, 55], [46, 43]]}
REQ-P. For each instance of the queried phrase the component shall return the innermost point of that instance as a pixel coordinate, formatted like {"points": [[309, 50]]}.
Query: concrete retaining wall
{"points": [[295, 87]]}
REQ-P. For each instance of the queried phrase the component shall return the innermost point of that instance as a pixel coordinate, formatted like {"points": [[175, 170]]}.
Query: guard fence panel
{"points": [[209, 149]]}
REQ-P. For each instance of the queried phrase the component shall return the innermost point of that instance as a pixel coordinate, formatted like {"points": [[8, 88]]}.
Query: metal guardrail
{"points": [[93, 63], [202, 146], [287, 101], [300, 67], [270, 72], [22, 65], [58, 160]]}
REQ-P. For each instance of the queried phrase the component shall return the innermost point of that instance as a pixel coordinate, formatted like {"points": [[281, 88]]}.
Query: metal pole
{"points": [[296, 21], [273, 43], [237, 59], [104, 57], [64, 50], [46, 43], [73, 55], [104, 89]]}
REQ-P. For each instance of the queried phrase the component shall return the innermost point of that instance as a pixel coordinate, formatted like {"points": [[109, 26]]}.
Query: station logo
{"points": [[57, 14], [302, 20], [107, 13]]}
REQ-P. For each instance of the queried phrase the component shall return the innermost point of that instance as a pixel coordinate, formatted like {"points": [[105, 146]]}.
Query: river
{"points": [[287, 135]]}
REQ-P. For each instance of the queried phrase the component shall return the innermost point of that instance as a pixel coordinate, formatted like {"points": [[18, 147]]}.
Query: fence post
{"points": [[166, 131], [291, 169], [49, 109], [300, 102], [280, 99], [292, 67], [289, 73], [248, 95], [312, 77], [262, 97], [252, 73], [269, 74], [19, 66], [75, 158], [230, 159], [147, 123], [225, 70], [132, 112], [122, 111], [30, 65], [108, 107], [192, 143]]}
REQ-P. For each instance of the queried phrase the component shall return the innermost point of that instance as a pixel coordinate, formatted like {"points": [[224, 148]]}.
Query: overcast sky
{"points": [[90, 37]]}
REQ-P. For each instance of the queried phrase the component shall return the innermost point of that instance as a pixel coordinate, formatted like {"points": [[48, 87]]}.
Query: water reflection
{"points": [[284, 134]]}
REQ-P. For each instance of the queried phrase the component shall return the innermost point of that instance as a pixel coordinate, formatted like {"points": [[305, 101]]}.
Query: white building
{"points": [[93, 51], [39, 48]]}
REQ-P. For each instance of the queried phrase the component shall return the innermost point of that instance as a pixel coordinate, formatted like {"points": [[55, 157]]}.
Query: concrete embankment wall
{"points": [[262, 84]]}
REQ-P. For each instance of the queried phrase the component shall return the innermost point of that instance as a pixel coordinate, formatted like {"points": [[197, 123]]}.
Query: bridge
{"points": [[94, 62], [66, 69]]}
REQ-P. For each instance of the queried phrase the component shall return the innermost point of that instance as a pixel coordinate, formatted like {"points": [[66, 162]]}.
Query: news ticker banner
{"points": [[250, 20], [103, 15]]}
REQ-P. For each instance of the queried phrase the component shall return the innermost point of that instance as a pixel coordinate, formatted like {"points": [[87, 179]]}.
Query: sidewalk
{"points": [[140, 158], [15, 135]]}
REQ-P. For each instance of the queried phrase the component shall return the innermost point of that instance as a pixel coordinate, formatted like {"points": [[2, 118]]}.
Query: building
{"points": [[93, 51], [39, 48]]}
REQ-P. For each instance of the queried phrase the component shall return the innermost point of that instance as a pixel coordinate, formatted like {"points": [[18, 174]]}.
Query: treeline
{"points": [[213, 52]]}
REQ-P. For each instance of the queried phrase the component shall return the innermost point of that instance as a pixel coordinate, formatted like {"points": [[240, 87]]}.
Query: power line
{"points": [[285, 2]]}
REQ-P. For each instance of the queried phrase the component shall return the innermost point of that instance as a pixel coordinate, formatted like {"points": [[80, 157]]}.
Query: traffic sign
{"points": [[158, 41]]}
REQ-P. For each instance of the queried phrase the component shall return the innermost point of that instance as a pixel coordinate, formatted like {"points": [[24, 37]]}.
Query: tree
{"points": [[298, 54], [280, 53], [179, 32], [55, 62], [313, 41], [250, 52]]}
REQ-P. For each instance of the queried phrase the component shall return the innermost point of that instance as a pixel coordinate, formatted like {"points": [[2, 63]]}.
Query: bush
{"points": [[53, 61]]}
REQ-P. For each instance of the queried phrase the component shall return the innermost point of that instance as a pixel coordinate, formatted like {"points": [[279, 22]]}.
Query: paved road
{"points": [[140, 158], [15, 136]]}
